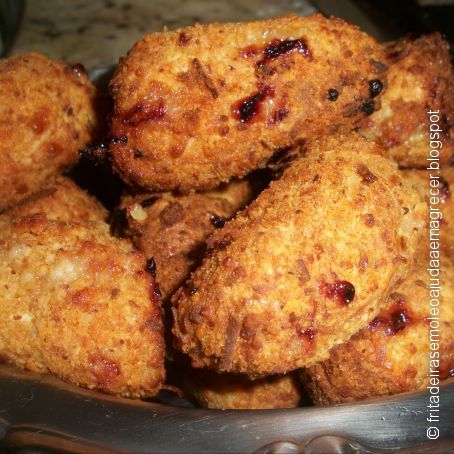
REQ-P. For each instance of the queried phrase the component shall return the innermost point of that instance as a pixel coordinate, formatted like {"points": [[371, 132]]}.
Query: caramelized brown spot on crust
{"points": [[395, 319], [152, 324], [369, 220], [103, 370], [54, 149], [224, 130], [144, 112], [5, 359], [82, 299], [157, 293], [172, 214], [176, 151], [213, 245], [395, 180], [248, 108], [303, 272], [343, 292], [450, 162], [366, 175], [318, 248], [195, 313], [68, 110], [250, 326], [278, 115], [445, 192], [363, 263], [183, 39], [232, 334], [410, 372], [250, 51], [308, 334], [277, 48], [40, 122], [395, 55], [116, 141], [350, 109], [205, 77], [379, 67], [36, 196]]}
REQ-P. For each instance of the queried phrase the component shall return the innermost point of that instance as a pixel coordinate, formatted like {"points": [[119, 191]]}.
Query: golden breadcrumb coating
{"points": [[47, 112], [62, 200], [391, 355], [442, 190], [232, 391], [172, 229], [78, 303], [199, 105], [420, 78], [305, 266]]}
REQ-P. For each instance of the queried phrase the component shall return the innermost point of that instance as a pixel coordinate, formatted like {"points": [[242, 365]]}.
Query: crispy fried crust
{"points": [[62, 200], [47, 112], [305, 266], [172, 229], [231, 391], [79, 304], [391, 355], [420, 180], [420, 78], [196, 106]]}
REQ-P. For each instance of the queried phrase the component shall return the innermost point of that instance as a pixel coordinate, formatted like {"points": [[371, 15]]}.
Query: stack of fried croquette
{"points": [[271, 239]]}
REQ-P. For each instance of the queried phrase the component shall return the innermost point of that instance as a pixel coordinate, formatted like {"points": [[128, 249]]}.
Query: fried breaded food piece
{"points": [[305, 266], [47, 112], [420, 78], [442, 187], [391, 355], [78, 303], [172, 229], [232, 391], [62, 200], [197, 106]]}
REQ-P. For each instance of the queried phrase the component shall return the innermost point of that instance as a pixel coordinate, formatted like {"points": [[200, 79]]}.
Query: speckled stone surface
{"points": [[98, 32]]}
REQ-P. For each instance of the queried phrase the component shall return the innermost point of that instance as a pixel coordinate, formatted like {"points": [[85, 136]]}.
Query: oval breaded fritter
{"points": [[392, 354], [47, 112], [172, 229], [439, 188], [420, 78], [237, 392], [197, 106], [61, 200], [78, 303], [309, 263]]}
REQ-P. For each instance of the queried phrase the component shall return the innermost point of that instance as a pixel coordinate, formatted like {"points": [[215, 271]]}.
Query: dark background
{"points": [[390, 19]]}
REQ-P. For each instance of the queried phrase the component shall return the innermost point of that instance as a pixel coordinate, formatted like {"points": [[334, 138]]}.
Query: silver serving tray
{"points": [[44, 414]]}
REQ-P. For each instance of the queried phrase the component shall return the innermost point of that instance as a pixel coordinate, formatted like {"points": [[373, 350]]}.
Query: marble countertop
{"points": [[98, 32]]}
